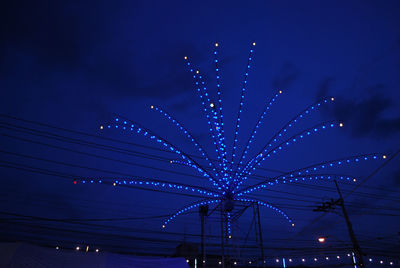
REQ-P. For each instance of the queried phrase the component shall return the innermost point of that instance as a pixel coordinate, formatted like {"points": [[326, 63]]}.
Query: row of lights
{"points": [[211, 115], [277, 260], [295, 179], [221, 115], [218, 117], [236, 180], [78, 248], [194, 205], [150, 183], [268, 206], [197, 204], [253, 134], [241, 105]]}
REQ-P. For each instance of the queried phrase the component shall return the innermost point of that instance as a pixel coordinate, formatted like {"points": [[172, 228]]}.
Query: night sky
{"points": [[66, 68]]}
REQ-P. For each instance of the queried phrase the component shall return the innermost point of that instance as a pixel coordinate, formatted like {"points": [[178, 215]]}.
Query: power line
{"points": [[70, 176], [54, 173], [375, 171], [164, 170], [118, 141]]}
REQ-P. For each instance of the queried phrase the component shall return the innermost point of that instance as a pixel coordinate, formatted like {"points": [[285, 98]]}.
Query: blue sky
{"points": [[76, 65]]}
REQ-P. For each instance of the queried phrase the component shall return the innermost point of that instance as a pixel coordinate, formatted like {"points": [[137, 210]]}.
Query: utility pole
{"points": [[326, 206], [203, 211], [260, 234], [356, 246], [222, 237]]}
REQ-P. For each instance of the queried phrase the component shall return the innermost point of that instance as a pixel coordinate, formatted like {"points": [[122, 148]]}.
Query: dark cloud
{"points": [[364, 116], [286, 76], [324, 87], [364, 205], [57, 33], [59, 40], [183, 106], [176, 78]]}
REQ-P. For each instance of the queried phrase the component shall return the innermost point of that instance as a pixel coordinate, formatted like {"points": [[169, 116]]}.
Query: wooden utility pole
{"points": [[222, 237], [356, 246], [260, 235], [203, 211], [327, 206]]}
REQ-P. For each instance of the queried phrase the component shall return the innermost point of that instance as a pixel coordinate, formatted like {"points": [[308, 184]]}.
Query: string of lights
{"points": [[219, 106], [210, 113], [254, 132], [242, 95], [189, 136]]}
